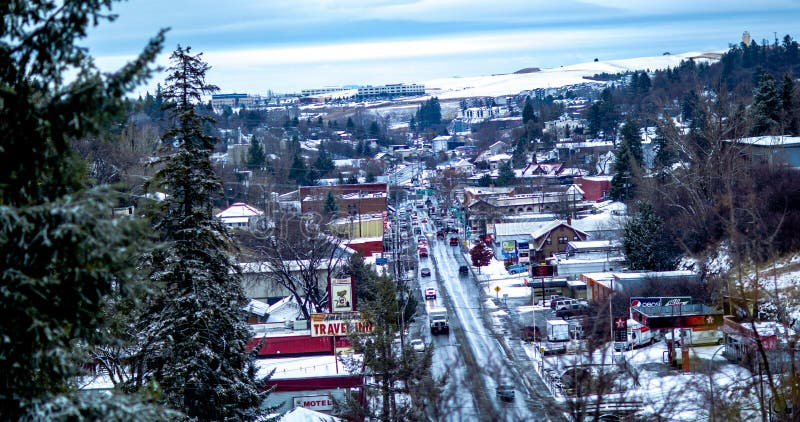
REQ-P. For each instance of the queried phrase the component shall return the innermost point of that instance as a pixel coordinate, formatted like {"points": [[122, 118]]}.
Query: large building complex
{"points": [[390, 90]]}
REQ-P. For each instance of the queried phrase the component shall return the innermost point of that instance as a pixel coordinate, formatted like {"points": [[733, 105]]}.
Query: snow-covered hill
{"points": [[513, 83]]}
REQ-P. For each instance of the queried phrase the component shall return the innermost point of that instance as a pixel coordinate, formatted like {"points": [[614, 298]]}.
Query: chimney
{"points": [[569, 221]]}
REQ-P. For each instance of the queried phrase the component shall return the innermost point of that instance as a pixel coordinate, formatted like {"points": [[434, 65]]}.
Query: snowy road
{"points": [[465, 310]]}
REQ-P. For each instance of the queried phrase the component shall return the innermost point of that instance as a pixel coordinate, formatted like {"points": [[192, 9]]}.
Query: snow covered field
{"points": [[509, 84]]}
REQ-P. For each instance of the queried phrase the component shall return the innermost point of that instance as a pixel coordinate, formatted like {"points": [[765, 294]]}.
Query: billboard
{"points": [[341, 295], [509, 246], [542, 270], [660, 301], [338, 324]]}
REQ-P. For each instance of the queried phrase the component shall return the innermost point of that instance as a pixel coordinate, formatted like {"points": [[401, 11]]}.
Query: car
{"points": [[517, 269], [418, 345], [423, 252], [453, 241], [430, 293], [425, 272], [463, 270], [505, 390], [424, 220]]}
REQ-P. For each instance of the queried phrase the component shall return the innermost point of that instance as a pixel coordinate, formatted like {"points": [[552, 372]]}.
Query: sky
{"points": [[258, 46]]}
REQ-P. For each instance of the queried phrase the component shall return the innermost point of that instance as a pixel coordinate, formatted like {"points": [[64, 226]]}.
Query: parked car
{"points": [[505, 390], [430, 293], [517, 269], [567, 304], [418, 345], [453, 241], [423, 252], [463, 270], [425, 272]]}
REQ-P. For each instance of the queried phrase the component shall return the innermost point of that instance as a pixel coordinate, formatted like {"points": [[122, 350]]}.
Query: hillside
{"points": [[514, 83]]}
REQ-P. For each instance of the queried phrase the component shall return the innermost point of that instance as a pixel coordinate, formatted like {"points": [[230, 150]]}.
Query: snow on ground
{"points": [[495, 275], [658, 383], [506, 84]]}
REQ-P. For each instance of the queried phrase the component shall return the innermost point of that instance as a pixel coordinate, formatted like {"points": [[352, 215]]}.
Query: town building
{"points": [[240, 216], [365, 198]]}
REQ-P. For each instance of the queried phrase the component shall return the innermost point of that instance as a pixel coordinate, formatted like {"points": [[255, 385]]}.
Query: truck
{"points": [[437, 317], [638, 335]]}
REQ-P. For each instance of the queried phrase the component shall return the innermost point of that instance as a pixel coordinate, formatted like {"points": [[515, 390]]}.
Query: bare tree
{"points": [[296, 253]]}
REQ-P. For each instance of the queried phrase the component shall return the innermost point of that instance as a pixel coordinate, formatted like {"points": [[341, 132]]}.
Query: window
{"points": [[562, 240], [548, 241], [576, 238]]}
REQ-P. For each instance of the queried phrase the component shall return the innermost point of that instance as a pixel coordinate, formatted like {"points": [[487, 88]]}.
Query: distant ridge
{"points": [[528, 70]]}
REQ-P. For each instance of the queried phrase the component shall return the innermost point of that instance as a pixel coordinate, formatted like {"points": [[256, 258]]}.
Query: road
{"points": [[462, 297]]}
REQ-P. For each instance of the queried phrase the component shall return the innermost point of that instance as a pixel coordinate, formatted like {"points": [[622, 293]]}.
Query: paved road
{"points": [[464, 302]]}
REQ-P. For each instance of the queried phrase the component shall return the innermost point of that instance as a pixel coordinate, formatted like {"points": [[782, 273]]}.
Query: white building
{"points": [[240, 216]]}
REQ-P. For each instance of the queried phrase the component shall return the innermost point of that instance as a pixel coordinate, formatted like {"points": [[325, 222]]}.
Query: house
{"points": [[496, 160], [440, 143], [552, 238], [240, 216]]}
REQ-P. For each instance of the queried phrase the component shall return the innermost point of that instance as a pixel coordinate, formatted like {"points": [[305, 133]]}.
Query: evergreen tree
{"points": [[255, 155], [387, 305], [374, 130], [628, 157], [193, 332], [370, 178], [665, 157], [298, 172], [331, 208], [527, 112], [505, 174], [485, 180], [766, 107], [323, 164], [429, 114], [63, 257], [644, 242], [789, 108], [350, 125]]}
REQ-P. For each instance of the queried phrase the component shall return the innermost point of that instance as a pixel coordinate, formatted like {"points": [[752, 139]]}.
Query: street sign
{"points": [[381, 261]]}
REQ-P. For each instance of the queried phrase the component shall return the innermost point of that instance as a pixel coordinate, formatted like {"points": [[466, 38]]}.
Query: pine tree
{"points": [[527, 112], [505, 174], [255, 155], [766, 107], [331, 208], [628, 158], [789, 108], [323, 164], [397, 371], [193, 332], [63, 257], [645, 244], [298, 172], [350, 125]]}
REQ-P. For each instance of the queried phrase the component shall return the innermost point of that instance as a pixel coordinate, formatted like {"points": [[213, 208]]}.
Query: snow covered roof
{"points": [[257, 307], [239, 209], [514, 229], [499, 157], [303, 367], [768, 141], [301, 414]]}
